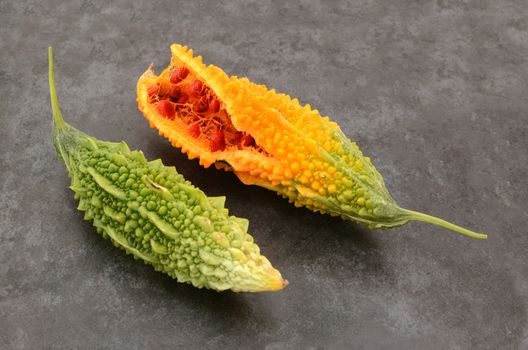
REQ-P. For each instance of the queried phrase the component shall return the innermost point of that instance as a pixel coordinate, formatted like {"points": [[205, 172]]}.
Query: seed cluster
{"points": [[183, 96]]}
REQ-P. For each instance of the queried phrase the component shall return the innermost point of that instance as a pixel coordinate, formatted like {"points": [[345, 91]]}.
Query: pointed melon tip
{"points": [[278, 284], [274, 285]]}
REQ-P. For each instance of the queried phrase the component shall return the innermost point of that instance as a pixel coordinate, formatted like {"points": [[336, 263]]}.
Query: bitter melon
{"points": [[270, 140]]}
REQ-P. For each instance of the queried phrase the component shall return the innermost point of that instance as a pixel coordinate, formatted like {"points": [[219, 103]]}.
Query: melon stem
{"points": [[417, 216], [58, 121]]}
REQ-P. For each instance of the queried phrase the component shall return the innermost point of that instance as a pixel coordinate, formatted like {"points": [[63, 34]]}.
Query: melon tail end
{"points": [[417, 216], [58, 121]]}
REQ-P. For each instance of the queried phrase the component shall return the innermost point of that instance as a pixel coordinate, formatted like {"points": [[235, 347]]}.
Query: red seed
{"points": [[166, 109], [178, 75], [247, 141], [201, 105], [174, 93], [214, 106], [163, 90], [194, 130], [217, 141], [234, 139], [183, 98], [153, 89], [196, 88]]}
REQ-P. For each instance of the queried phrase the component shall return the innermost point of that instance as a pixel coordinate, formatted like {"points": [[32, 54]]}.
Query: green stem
{"points": [[414, 215], [58, 121]]}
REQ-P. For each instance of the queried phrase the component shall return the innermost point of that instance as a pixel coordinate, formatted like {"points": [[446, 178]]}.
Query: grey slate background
{"points": [[434, 91]]}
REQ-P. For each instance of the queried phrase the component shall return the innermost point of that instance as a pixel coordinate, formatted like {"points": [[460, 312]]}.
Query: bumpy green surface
{"points": [[153, 213]]}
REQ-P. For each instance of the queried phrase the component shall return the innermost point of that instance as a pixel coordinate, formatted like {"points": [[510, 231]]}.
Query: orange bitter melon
{"points": [[270, 140]]}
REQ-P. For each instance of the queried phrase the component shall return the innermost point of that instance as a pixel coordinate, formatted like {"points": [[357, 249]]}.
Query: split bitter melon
{"points": [[153, 213], [270, 140]]}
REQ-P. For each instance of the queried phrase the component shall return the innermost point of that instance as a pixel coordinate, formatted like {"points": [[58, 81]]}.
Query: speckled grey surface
{"points": [[434, 91]]}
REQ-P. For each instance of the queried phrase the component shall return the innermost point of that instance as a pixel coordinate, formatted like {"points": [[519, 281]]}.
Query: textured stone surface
{"points": [[434, 91]]}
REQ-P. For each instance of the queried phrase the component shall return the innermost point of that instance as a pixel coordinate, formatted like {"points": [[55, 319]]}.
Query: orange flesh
{"points": [[199, 111]]}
